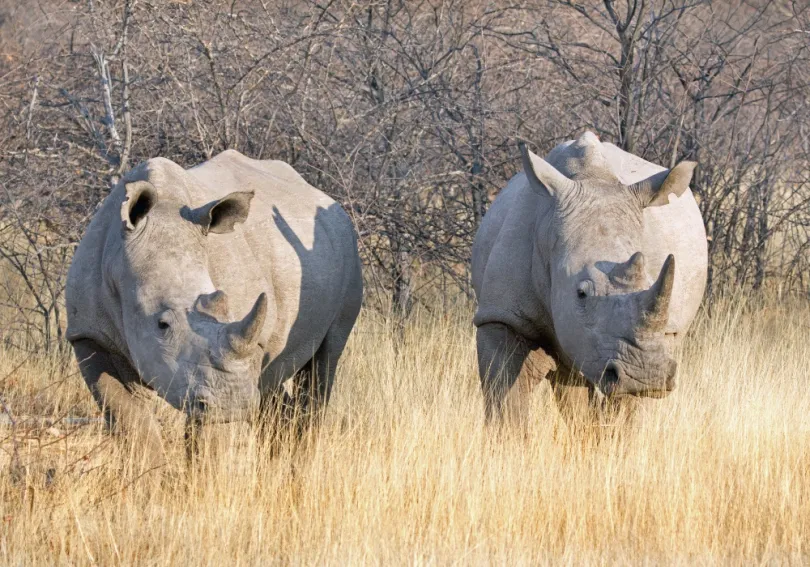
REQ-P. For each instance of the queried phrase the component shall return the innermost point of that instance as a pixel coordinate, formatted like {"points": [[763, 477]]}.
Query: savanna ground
{"points": [[404, 469]]}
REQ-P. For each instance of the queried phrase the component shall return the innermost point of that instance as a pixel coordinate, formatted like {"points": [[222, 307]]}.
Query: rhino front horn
{"points": [[242, 335], [656, 299]]}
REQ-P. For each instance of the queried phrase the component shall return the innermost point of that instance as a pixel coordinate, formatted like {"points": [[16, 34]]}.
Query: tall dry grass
{"points": [[405, 471]]}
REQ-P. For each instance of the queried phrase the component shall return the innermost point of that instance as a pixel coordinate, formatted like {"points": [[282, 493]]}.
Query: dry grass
{"points": [[404, 470]]}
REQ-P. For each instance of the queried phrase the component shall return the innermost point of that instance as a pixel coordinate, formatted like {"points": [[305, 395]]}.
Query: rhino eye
{"points": [[585, 289]]}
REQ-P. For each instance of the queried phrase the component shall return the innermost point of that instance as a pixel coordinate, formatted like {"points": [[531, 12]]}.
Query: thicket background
{"points": [[408, 113]]}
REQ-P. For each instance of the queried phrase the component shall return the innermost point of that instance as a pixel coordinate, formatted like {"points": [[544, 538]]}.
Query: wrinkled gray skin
{"points": [[211, 287], [595, 258]]}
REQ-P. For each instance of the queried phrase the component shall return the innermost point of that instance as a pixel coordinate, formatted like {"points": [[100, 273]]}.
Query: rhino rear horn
{"points": [[544, 177], [656, 300], [655, 191], [213, 304], [631, 272], [242, 335]]}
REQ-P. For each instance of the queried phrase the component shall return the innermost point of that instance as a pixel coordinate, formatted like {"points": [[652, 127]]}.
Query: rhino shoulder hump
{"points": [[503, 259], [89, 293]]}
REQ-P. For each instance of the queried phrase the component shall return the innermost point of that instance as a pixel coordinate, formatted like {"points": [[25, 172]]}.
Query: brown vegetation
{"points": [[409, 113], [404, 469]]}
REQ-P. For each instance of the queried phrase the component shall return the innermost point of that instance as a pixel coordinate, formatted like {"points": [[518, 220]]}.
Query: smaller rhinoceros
{"points": [[211, 287], [596, 259]]}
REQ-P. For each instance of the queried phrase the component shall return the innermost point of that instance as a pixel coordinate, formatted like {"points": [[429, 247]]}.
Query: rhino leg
{"points": [[123, 400], [530, 382], [574, 403], [302, 406], [314, 383], [581, 405], [501, 353]]}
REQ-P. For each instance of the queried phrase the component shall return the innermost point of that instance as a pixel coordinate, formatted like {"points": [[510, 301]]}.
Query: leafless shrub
{"points": [[408, 113]]}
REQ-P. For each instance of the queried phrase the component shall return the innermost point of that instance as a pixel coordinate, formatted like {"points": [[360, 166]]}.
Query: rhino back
{"points": [[508, 273], [90, 299]]}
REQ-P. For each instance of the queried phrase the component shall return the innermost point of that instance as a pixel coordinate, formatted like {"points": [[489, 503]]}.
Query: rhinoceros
{"points": [[211, 287], [597, 260]]}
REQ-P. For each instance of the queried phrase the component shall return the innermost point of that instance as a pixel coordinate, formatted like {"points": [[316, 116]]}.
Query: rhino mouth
{"points": [[202, 413], [204, 405], [617, 382]]}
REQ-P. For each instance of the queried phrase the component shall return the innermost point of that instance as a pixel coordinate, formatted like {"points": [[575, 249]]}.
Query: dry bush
{"points": [[409, 113], [404, 469]]}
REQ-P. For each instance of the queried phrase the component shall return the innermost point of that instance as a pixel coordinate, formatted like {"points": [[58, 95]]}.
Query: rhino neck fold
{"points": [[541, 270]]}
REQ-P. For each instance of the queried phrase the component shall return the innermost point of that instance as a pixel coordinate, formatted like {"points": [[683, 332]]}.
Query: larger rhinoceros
{"points": [[211, 287], [595, 258]]}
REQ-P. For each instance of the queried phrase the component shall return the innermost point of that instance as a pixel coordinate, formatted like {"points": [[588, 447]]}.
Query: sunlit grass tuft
{"points": [[404, 469]]}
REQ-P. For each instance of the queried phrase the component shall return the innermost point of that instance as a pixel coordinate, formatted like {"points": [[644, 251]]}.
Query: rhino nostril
{"points": [[200, 406], [610, 378], [673, 370]]}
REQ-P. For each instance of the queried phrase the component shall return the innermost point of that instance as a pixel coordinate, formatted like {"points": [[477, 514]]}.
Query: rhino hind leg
{"points": [[298, 409], [501, 353], [116, 388], [314, 383]]}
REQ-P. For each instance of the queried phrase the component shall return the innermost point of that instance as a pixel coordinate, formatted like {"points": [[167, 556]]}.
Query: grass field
{"points": [[405, 471]]}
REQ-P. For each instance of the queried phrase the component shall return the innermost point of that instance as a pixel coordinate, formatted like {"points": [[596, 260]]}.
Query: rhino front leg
{"points": [[115, 387], [501, 353], [531, 381], [581, 405], [575, 403]]}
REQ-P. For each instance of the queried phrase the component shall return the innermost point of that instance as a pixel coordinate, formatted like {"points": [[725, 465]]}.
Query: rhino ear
{"points": [[141, 198], [655, 191], [221, 216], [543, 177]]}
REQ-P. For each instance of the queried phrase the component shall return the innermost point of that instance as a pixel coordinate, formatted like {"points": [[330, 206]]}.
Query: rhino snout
{"points": [[235, 404], [618, 380]]}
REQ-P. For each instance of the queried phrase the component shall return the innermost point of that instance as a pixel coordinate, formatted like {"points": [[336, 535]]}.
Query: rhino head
{"points": [[178, 327], [610, 316]]}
